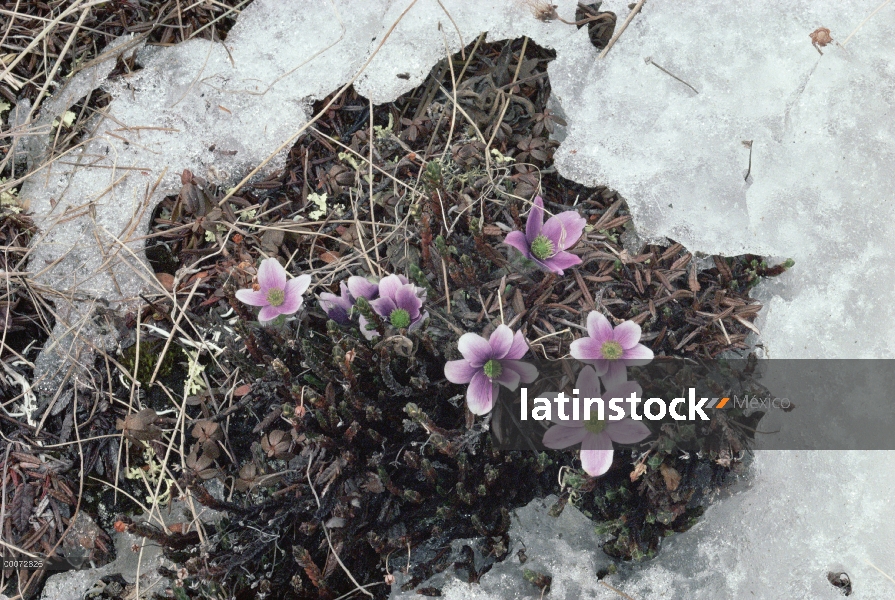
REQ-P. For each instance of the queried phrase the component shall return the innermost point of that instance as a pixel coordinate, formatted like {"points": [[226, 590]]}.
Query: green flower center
{"points": [[400, 318], [612, 350], [595, 425], [542, 247], [493, 369], [276, 297]]}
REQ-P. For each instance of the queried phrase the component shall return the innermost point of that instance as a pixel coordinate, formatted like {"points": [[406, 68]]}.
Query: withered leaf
{"points": [[331, 562], [21, 506], [271, 240], [693, 282], [276, 444], [202, 466], [140, 425], [193, 197], [373, 484], [206, 430], [671, 476]]}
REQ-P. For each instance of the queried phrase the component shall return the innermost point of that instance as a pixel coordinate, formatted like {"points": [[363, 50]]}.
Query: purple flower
{"points": [[594, 435], [611, 350], [275, 295], [361, 287], [546, 243], [400, 303], [487, 363], [338, 308]]}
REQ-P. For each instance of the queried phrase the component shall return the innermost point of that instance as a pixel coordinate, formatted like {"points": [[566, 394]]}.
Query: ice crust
{"points": [[559, 546], [800, 516], [820, 192]]}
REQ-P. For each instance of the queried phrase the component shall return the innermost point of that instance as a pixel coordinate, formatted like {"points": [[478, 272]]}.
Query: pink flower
{"points": [[594, 435], [338, 308], [546, 243], [489, 363], [610, 349], [275, 294], [400, 303]]}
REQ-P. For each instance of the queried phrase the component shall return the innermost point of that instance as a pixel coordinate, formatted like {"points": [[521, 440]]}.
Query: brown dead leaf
{"points": [[167, 281], [140, 425], [21, 506], [276, 444], [329, 257], [693, 282], [639, 469], [242, 390], [671, 476], [271, 240]]}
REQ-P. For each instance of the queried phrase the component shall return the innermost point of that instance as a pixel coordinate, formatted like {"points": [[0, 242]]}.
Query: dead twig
{"points": [[621, 29]]}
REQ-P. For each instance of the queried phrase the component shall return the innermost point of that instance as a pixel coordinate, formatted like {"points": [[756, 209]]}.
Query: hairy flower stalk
{"points": [[486, 364], [276, 294], [546, 243]]}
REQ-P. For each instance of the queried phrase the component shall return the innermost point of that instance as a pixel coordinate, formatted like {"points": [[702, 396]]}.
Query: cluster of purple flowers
{"points": [[397, 301], [496, 361], [394, 298]]}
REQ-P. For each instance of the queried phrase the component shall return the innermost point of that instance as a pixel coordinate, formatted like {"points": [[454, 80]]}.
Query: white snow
{"points": [[820, 192]]}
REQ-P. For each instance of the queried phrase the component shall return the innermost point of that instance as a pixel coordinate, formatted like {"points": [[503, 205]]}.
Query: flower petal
{"points": [[360, 287], [389, 286], [586, 348], [535, 220], [561, 261], [519, 347], [560, 436], [291, 304], [527, 371], [596, 454], [298, 285], [564, 229], [554, 415], [509, 378], [501, 341], [459, 371], [268, 313], [362, 324], [556, 230], [383, 306], [598, 327], [474, 348], [271, 274], [627, 334], [418, 322], [251, 297], [627, 431], [517, 240], [338, 307], [588, 383], [407, 299], [623, 390], [616, 373], [638, 352], [480, 394], [333, 309]]}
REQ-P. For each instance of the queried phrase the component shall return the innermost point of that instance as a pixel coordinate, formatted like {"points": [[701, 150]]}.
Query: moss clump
{"points": [[150, 352]]}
